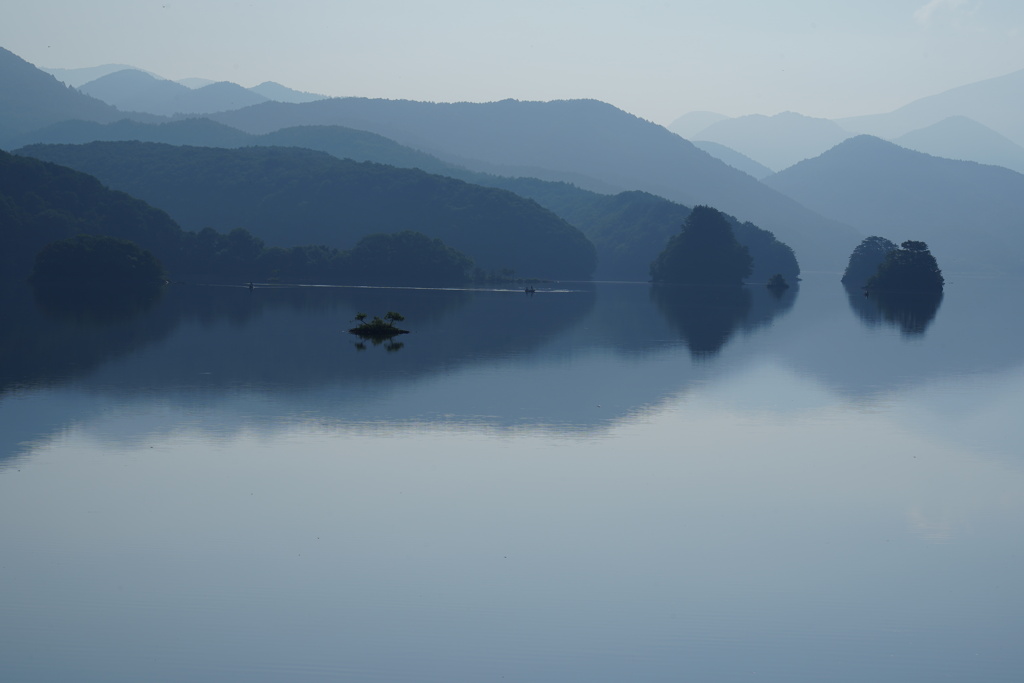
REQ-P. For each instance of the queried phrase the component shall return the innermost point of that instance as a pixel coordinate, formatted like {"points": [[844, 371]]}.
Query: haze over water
{"points": [[598, 483]]}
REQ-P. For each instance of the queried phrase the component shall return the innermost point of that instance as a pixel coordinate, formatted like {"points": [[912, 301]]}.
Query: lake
{"points": [[596, 482]]}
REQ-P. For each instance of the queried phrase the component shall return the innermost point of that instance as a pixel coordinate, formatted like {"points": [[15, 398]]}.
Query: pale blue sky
{"points": [[655, 59]]}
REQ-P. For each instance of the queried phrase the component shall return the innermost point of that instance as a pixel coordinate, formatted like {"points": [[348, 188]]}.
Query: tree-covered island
{"points": [[877, 264], [704, 253], [378, 327]]}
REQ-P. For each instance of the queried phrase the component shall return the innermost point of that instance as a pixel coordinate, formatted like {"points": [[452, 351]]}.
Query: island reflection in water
{"points": [[601, 483], [911, 312]]}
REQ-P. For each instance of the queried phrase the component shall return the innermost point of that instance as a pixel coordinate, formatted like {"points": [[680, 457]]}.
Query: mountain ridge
{"points": [[970, 214], [577, 138]]}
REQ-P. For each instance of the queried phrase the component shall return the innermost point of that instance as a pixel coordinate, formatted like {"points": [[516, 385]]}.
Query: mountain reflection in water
{"points": [[576, 359]]}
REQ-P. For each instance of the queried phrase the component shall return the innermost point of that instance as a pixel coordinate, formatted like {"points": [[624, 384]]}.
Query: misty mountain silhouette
{"points": [[571, 140], [960, 137], [280, 93], [775, 141], [969, 214], [994, 102], [735, 159], [693, 122], [77, 77], [33, 99], [134, 90]]}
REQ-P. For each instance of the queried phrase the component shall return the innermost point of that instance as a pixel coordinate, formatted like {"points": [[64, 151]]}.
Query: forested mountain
{"points": [[631, 228], [627, 239], [32, 99], [589, 143], [135, 90], [959, 137], [572, 140], [43, 202], [289, 196], [971, 215], [52, 209], [344, 143], [776, 141]]}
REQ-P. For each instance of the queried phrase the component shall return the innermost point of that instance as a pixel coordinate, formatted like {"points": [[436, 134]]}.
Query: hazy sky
{"points": [[654, 59]]}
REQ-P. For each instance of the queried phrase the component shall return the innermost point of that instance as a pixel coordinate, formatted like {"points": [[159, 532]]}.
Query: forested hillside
{"points": [[630, 229], [288, 196], [43, 202]]}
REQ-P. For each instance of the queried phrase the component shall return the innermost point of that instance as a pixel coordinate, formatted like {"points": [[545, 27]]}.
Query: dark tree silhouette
{"points": [[911, 268], [704, 253], [865, 259], [91, 262]]}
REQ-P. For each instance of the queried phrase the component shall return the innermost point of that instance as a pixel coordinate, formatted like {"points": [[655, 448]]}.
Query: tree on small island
{"points": [[378, 327], [704, 253], [777, 283], [911, 268]]}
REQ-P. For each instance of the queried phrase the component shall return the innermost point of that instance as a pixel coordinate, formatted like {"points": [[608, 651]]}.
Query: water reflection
{"points": [[706, 317], [571, 361], [88, 307], [910, 312], [390, 345]]}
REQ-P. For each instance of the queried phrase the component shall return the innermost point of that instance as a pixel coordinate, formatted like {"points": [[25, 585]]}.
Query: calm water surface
{"points": [[600, 483]]}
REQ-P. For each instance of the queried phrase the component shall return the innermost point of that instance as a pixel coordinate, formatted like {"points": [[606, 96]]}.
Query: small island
{"points": [[379, 327], [777, 283], [704, 253]]}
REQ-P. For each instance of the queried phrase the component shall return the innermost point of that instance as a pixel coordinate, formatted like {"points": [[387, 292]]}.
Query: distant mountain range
{"points": [[735, 159], [133, 90], [32, 99], [610, 174], [80, 76], [585, 142], [996, 103], [690, 124], [776, 141], [959, 137], [139, 91], [973, 122], [970, 214]]}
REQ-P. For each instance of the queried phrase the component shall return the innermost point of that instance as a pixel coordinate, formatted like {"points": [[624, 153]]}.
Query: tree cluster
{"points": [[911, 268], [704, 253], [878, 264], [865, 259], [97, 263]]}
